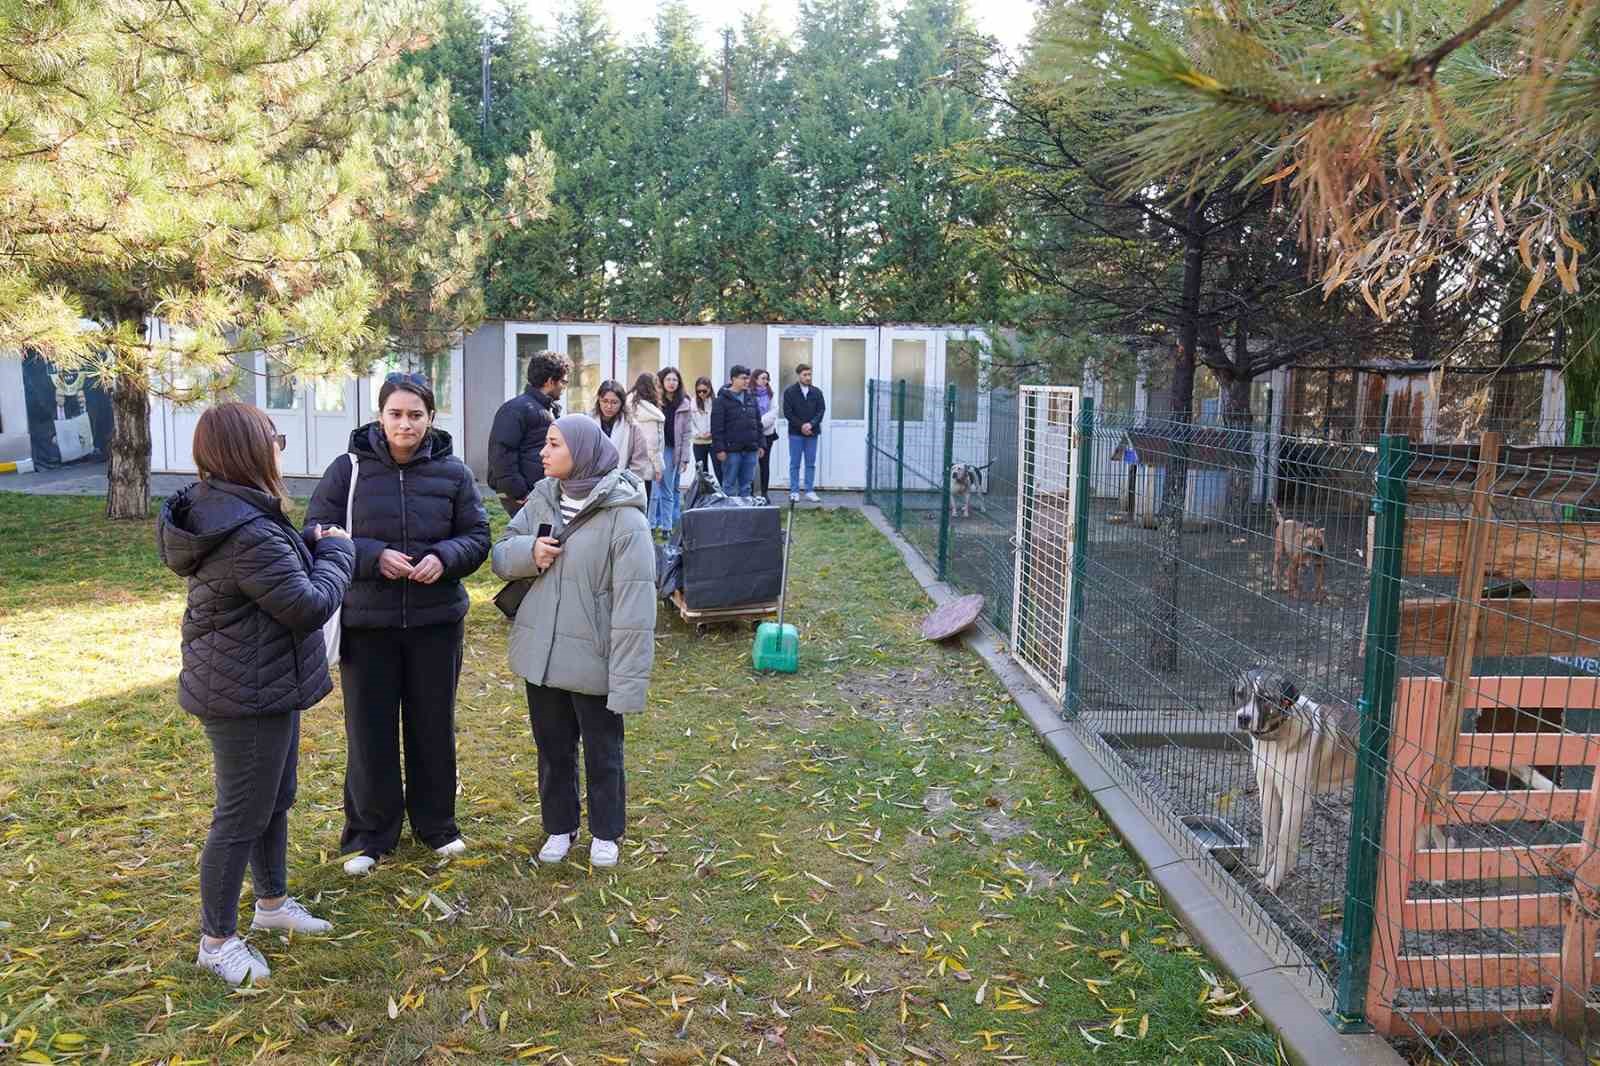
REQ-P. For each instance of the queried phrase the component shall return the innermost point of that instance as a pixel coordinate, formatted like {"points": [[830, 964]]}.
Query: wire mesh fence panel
{"points": [[1223, 571], [1044, 531], [1486, 888]]}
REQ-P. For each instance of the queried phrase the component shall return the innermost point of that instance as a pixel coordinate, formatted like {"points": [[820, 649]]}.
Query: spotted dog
{"points": [[964, 480]]}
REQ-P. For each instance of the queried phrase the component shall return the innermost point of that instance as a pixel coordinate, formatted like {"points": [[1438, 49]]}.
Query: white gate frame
{"points": [[1047, 470]]}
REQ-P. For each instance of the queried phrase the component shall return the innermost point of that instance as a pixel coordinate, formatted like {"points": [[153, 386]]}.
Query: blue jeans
{"points": [[666, 504], [799, 445], [739, 473]]}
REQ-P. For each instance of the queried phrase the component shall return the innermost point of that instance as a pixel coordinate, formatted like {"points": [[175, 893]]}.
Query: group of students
{"points": [[393, 529], [658, 429]]}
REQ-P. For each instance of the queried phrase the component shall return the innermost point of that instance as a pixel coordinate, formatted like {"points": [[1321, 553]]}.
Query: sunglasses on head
{"points": [[401, 377]]}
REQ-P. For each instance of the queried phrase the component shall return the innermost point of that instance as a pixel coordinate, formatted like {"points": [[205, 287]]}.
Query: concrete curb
{"points": [[1271, 987]]}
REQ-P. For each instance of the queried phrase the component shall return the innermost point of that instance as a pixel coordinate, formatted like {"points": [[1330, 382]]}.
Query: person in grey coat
{"points": [[584, 637]]}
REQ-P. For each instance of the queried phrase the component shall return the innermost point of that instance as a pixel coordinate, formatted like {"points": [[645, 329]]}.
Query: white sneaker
{"points": [[453, 849], [813, 497], [292, 915], [234, 961], [603, 852], [794, 497], [359, 865], [555, 849]]}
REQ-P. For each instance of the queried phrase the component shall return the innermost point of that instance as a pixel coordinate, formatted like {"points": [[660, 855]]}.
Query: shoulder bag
{"points": [[333, 628], [509, 599]]}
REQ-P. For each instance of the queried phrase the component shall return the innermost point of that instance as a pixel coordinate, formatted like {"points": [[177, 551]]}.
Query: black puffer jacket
{"points": [[427, 506], [258, 597], [515, 441], [736, 422]]}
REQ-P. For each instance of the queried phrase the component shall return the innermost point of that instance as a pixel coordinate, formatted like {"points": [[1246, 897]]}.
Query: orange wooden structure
{"points": [[1423, 725]]}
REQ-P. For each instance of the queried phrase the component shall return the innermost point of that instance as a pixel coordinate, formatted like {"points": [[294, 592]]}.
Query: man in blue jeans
{"points": [[803, 408], [736, 437]]}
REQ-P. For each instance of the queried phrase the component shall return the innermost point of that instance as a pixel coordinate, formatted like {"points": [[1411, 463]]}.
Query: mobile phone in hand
{"points": [[545, 530]]}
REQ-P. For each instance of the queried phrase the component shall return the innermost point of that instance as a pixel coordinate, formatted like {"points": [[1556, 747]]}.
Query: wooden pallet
{"points": [[705, 618]]}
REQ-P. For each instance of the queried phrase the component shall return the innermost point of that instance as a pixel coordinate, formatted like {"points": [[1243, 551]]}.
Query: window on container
{"points": [[528, 346], [847, 379], [908, 362], [792, 351], [435, 370], [695, 361], [283, 391], [962, 370], [643, 357], [584, 351]]}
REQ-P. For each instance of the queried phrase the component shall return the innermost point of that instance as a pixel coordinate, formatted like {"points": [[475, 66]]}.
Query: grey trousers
{"points": [[253, 763]]}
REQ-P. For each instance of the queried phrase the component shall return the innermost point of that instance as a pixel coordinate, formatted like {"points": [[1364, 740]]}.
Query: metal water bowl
{"points": [[1222, 841]]}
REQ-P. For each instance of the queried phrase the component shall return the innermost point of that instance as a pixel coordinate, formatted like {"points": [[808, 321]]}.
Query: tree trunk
{"points": [[1236, 416], [128, 472], [1424, 327], [1169, 520]]}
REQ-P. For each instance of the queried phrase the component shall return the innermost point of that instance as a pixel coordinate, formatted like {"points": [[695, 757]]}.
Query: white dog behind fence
{"points": [[1301, 749]]}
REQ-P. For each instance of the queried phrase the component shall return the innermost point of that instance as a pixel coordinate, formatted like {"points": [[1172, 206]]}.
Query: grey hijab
{"points": [[593, 454]]}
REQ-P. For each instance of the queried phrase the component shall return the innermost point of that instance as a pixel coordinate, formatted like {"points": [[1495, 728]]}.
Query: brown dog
{"points": [[1295, 543]]}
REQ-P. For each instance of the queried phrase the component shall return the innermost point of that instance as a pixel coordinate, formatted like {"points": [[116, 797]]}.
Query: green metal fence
{"points": [[1417, 614], [915, 437]]}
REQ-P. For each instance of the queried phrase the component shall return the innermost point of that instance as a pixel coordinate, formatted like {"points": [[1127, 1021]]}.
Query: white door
{"points": [[787, 348], [188, 388], [333, 409], [848, 360], [912, 356], [284, 401]]}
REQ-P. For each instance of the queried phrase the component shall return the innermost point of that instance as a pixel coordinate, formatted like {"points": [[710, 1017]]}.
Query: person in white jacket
{"points": [[649, 422], [613, 412]]}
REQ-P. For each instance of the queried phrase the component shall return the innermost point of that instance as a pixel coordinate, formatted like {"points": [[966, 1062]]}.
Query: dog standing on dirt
{"points": [[964, 480], [1300, 749], [1295, 543]]}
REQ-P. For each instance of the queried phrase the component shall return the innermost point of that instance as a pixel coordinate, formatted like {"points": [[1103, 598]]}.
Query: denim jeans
{"points": [[666, 505], [739, 473], [799, 445], [253, 764]]}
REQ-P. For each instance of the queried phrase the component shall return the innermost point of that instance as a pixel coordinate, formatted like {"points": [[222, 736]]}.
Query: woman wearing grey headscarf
{"points": [[584, 637]]}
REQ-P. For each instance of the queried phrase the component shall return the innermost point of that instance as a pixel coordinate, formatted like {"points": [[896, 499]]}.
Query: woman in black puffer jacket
{"points": [[253, 659], [419, 530]]}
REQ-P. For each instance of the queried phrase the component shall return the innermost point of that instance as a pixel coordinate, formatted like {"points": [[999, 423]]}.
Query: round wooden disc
{"points": [[945, 622]]}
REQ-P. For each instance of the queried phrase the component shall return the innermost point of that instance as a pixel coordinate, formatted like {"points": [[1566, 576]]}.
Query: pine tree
{"points": [[226, 170]]}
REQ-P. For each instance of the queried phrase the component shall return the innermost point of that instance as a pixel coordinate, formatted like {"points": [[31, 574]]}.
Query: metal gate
{"points": [[1047, 512]]}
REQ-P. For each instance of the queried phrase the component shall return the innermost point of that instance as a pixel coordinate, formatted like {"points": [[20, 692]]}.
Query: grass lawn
{"points": [[870, 862]]}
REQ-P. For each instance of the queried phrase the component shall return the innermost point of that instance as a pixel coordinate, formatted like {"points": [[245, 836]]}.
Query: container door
{"points": [[849, 360], [787, 348], [279, 394]]}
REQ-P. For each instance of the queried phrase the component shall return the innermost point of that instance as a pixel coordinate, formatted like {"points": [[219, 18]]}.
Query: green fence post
{"points": [[944, 492], [900, 459], [872, 421], [1569, 512], [1080, 549], [1372, 757]]}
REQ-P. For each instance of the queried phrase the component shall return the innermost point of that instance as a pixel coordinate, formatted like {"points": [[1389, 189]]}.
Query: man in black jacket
{"points": [[517, 436], [803, 408], [736, 436]]}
